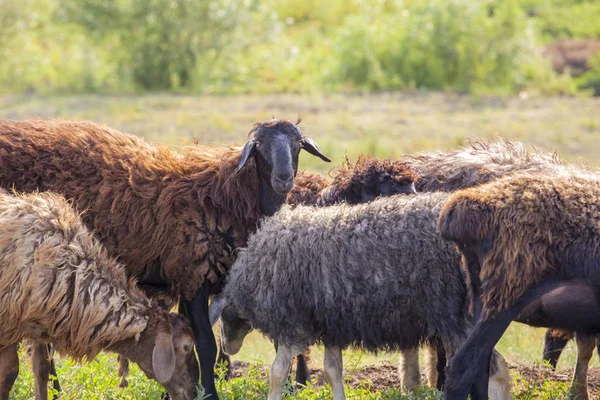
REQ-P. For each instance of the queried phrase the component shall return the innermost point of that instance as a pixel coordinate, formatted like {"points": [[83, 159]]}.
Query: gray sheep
{"points": [[375, 275]]}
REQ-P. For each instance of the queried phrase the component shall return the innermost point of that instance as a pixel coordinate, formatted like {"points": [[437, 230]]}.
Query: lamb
{"points": [[60, 286], [374, 275], [530, 251], [174, 220]]}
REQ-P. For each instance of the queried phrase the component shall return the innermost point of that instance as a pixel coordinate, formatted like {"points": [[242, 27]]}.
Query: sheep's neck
{"points": [[128, 348], [269, 200]]}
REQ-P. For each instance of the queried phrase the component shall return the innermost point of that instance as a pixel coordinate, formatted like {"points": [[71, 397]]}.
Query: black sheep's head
{"points": [[275, 146], [233, 328]]}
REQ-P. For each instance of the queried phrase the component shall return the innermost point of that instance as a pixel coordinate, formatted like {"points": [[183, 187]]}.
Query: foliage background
{"points": [[269, 46]]}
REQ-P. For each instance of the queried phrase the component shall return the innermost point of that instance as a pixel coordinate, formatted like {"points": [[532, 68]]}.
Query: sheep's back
{"points": [[376, 275], [534, 226], [57, 283]]}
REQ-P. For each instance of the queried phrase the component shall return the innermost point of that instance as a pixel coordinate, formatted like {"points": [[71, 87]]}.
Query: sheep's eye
{"points": [[257, 144], [301, 143]]}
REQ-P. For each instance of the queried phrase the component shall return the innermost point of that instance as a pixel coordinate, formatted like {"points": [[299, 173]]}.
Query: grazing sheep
{"points": [[530, 247], [555, 342], [361, 182], [174, 220], [374, 275], [356, 183], [59, 286], [476, 164]]}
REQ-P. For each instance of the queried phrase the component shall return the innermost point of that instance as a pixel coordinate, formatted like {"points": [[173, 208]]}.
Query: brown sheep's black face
{"points": [[275, 147], [389, 186], [364, 189]]}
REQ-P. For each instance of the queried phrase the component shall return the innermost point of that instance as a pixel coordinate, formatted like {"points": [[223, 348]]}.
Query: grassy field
{"points": [[387, 125]]}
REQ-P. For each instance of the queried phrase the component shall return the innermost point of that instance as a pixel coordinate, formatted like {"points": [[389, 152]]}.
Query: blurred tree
{"points": [[159, 40]]}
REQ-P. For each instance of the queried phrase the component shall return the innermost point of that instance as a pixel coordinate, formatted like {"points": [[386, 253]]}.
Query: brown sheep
{"points": [[60, 286], [556, 340], [174, 220], [478, 163], [571, 55], [307, 189], [530, 246], [366, 180]]}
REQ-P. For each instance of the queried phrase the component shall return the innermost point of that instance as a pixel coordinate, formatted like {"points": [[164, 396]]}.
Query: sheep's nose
{"points": [[284, 177]]}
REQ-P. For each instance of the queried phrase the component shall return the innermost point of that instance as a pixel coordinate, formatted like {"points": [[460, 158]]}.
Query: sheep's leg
{"points": [[206, 346], [408, 369], [334, 371], [499, 383], [53, 373], [280, 371], [302, 372], [431, 364], [442, 360], [469, 369], [585, 349], [40, 363], [9, 369], [554, 343], [123, 371]]}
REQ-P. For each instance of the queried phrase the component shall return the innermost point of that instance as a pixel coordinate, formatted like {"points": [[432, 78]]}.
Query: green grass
{"points": [[387, 125]]}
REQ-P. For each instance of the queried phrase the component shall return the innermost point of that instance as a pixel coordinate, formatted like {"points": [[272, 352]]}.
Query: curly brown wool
{"points": [[59, 286], [145, 202], [350, 181], [534, 224], [307, 189]]}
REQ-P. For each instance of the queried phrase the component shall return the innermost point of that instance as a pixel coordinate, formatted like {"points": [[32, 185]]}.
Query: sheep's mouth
{"points": [[282, 188]]}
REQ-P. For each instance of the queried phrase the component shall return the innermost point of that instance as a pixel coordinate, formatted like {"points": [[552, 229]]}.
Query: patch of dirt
{"points": [[539, 374], [386, 376]]}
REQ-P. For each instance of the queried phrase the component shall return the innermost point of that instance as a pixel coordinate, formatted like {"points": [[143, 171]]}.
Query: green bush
{"points": [[263, 46], [590, 80], [443, 45]]}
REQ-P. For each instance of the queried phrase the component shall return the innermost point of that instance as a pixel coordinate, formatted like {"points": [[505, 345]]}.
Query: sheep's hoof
{"points": [[165, 396], [124, 383]]}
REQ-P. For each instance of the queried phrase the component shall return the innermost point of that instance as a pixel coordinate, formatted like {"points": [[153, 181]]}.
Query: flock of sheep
{"points": [[101, 234]]}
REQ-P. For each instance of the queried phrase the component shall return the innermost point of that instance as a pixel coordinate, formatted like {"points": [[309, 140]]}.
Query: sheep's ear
{"points": [[247, 152], [311, 146], [163, 357], [216, 309]]}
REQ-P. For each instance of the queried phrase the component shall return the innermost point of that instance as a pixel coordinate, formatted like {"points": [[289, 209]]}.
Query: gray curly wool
{"points": [[376, 275]]}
